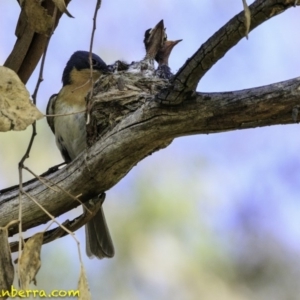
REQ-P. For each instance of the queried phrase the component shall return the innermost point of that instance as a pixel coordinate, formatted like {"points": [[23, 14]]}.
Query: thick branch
{"points": [[148, 129], [188, 76], [30, 45]]}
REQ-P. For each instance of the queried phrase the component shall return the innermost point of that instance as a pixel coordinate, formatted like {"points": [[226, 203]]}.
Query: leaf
{"points": [[83, 286], [16, 110], [247, 20], [30, 261], [37, 17], [6, 267], [61, 5]]}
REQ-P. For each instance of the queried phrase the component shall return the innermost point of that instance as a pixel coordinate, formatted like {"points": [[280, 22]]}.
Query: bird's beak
{"points": [[171, 44], [163, 54], [155, 39]]}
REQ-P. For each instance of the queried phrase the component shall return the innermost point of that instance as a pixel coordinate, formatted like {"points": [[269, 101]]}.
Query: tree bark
{"points": [[156, 121], [150, 128], [218, 45], [30, 45]]}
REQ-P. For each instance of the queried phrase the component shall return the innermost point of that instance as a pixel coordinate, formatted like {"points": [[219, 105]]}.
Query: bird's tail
{"points": [[98, 240]]}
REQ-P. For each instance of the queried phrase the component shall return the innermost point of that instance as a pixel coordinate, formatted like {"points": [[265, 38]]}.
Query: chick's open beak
{"points": [[164, 52], [154, 39]]}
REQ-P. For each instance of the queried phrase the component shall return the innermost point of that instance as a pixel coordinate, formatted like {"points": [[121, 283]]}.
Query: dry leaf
{"points": [[6, 266], [61, 5], [16, 110], [247, 20], [37, 17], [30, 261], [83, 286]]}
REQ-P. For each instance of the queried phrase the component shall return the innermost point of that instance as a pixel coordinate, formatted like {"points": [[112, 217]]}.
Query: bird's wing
{"points": [[51, 111]]}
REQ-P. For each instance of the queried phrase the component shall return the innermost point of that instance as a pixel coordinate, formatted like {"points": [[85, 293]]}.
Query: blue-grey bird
{"points": [[70, 133]]}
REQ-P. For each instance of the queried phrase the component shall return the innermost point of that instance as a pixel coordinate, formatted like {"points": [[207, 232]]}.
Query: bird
{"points": [[162, 58], [70, 133], [153, 41]]}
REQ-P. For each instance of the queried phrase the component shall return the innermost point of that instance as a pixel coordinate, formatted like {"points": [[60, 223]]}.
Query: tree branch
{"points": [[151, 128], [30, 45], [189, 75]]}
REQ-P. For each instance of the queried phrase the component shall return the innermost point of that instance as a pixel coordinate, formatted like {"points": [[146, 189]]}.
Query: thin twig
{"points": [[45, 211], [83, 85], [43, 181], [39, 178], [48, 226], [34, 133], [73, 225], [98, 5], [11, 223], [76, 198], [40, 78], [67, 114], [55, 221]]}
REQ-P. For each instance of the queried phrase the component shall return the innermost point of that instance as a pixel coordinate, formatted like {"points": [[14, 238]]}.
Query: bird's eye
{"points": [[94, 62], [147, 33]]}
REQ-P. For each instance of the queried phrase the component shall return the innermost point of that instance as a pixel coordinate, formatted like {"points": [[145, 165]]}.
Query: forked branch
{"points": [[189, 75]]}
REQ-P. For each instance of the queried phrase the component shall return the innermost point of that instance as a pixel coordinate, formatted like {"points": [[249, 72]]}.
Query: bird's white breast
{"points": [[70, 129]]}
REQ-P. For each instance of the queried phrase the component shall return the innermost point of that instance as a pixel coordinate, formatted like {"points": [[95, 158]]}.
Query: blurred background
{"points": [[210, 217]]}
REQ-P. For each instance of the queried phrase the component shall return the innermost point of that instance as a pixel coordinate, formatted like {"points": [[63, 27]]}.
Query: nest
{"points": [[115, 96]]}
